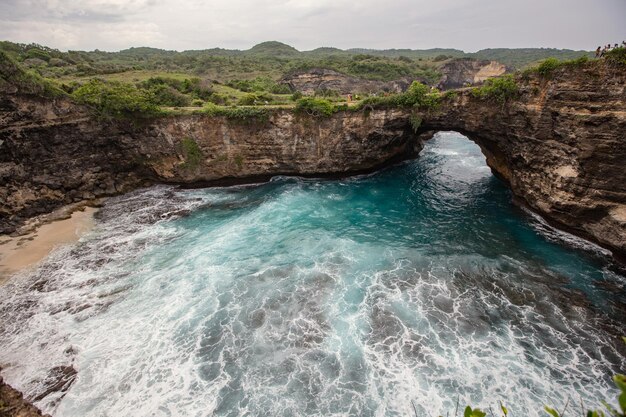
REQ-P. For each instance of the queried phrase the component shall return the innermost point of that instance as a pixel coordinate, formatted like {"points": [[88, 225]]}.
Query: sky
{"points": [[469, 25]]}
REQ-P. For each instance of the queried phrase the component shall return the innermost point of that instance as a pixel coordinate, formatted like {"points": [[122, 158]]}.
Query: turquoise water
{"points": [[416, 286]]}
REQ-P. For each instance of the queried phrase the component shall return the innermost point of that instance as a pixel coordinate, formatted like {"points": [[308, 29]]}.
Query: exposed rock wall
{"points": [[465, 71], [53, 154], [309, 81], [560, 145]]}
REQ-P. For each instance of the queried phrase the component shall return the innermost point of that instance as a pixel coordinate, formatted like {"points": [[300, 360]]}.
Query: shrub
{"points": [[280, 89], [164, 95], [416, 122], [548, 66], [242, 114], [617, 56], [116, 99], [26, 82], [196, 102], [315, 107], [192, 153], [252, 99], [417, 95], [499, 89], [249, 99], [296, 96], [38, 53], [220, 99]]}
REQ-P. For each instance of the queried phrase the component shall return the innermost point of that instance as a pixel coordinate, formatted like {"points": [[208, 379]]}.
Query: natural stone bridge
{"points": [[560, 146]]}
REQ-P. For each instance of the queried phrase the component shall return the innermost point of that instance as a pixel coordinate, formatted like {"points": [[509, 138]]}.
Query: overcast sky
{"points": [[307, 24]]}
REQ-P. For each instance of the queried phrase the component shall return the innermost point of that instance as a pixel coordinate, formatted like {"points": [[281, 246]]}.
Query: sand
{"points": [[22, 252]]}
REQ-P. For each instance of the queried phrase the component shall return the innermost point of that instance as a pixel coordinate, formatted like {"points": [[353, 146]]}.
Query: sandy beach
{"points": [[21, 252]]}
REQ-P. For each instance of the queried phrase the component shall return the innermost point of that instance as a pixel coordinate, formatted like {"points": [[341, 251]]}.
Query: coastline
{"points": [[18, 253]]}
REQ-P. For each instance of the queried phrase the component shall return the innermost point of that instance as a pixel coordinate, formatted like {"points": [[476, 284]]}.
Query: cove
{"points": [[419, 283]]}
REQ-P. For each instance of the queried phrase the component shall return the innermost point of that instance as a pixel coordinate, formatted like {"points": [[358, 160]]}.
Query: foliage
{"points": [[192, 153], [315, 107], [416, 122], [196, 102], [547, 67], [38, 53], [242, 114], [417, 95], [165, 95], [116, 99], [296, 96], [26, 82], [469, 412], [251, 99], [499, 89], [192, 87], [617, 56], [259, 84], [523, 57]]}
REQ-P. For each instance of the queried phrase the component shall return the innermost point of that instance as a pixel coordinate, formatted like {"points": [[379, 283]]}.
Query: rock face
{"points": [[309, 81], [13, 404], [560, 146], [52, 154], [461, 72]]}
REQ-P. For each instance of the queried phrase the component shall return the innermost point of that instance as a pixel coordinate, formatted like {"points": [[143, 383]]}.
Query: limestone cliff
{"points": [[560, 146], [315, 79], [461, 72]]}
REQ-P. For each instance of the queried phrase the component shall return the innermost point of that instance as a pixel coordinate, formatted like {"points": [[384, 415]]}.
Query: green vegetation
{"points": [[26, 82], [259, 84], [416, 122], [315, 107], [521, 58], [547, 67], [499, 89], [240, 114], [417, 95], [617, 56], [146, 82], [117, 99], [192, 153]]}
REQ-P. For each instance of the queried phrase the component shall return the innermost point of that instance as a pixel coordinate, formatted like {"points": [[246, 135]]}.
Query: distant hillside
{"points": [[522, 57], [273, 48], [270, 59]]}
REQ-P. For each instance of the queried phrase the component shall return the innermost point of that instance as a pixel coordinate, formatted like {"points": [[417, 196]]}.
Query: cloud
{"points": [[104, 35], [307, 24], [70, 10]]}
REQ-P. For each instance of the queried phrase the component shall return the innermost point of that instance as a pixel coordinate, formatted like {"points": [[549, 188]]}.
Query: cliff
{"points": [[316, 79], [559, 144], [462, 72]]}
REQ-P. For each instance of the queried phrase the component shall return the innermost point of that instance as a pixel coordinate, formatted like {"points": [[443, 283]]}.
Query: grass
{"points": [[547, 67]]}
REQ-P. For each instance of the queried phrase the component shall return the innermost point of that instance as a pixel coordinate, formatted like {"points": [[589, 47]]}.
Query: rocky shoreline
{"points": [[13, 404]]}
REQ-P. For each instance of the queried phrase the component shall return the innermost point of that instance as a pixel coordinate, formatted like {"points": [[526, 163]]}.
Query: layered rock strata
{"points": [[560, 145]]}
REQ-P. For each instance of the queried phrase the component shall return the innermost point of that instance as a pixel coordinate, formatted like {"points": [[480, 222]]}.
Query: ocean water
{"points": [[407, 291]]}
